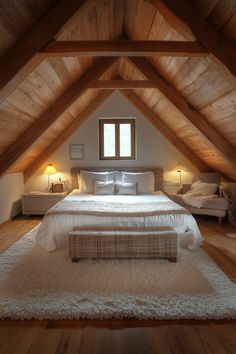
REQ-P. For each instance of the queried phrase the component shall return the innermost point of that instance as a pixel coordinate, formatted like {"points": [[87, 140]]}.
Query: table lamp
{"points": [[50, 170], [180, 168]]}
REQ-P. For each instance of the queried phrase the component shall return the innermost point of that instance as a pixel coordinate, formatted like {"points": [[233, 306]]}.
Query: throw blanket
{"points": [[110, 208]]}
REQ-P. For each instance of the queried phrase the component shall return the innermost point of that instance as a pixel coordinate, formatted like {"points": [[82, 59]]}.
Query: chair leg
{"points": [[220, 220], [75, 260], [172, 259]]}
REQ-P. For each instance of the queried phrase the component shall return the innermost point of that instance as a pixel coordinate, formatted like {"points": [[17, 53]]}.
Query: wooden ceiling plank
{"points": [[180, 13], [66, 133], [123, 84], [165, 130], [193, 117], [23, 57], [123, 48], [26, 139]]}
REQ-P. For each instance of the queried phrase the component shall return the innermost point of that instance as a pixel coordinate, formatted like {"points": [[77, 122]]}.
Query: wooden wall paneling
{"points": [[221, 13], [48, 74], [138, 12], [104, 18], [179, 13], [168, 134], [229, 29], [116, 29], [188, 73], [42, 142], [192, 116], [204, 7], [26, 139], [13, 71], [210, 85], [75, 124]]}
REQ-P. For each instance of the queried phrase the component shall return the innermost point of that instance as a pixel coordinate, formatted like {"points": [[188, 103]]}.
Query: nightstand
{"points": [[39, 202]]}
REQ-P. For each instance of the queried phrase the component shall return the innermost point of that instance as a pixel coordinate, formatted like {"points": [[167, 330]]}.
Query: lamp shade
{"points": [[50, 170], [180, 167]]}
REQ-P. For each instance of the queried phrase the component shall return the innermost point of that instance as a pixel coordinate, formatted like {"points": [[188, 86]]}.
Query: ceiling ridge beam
{"points": [[181, 14], [165, 131], [123, 48], [187, 111], [66, 133], [27, 138], [23, 57]]}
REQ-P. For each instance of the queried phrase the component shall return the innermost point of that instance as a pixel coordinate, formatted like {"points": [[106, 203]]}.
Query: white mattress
{"points": [[54, 230]]}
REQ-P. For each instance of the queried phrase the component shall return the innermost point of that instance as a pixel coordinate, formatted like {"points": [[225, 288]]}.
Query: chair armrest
{"points": [[184, 188], [225, 193]]}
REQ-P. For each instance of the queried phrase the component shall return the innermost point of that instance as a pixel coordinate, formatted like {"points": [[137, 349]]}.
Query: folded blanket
{"points": [[110, 208]]}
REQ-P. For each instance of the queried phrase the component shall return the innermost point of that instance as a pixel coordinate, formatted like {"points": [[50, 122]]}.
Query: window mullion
{"points": [[117, 140]]}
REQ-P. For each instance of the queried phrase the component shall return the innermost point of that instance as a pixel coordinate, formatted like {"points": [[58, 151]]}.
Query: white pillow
{"points": [[126, 188], [87, 178], [118, 176], [144, 180], [203, 188], [104, 188]]}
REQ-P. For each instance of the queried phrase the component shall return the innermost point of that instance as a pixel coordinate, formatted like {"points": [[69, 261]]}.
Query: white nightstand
{"points": [[40, 202]]}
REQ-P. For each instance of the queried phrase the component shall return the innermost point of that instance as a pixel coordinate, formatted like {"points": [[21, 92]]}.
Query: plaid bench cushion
{"points": [[111, 242]]}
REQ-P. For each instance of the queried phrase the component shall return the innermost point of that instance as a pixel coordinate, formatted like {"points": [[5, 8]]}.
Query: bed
{"points": [[141, 210]]}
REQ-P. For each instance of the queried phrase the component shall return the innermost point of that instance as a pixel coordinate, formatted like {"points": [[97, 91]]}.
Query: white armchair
{"points": [[205, 196]]}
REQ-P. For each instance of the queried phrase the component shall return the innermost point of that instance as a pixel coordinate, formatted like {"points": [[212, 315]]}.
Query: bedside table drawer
{"points": [[39, 204]]}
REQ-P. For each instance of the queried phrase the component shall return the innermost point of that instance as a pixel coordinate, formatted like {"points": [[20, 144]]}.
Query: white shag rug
{"points": [[35, 284]]}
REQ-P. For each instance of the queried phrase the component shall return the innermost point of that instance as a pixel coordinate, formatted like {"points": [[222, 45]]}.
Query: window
{"points": [[117, 139]]}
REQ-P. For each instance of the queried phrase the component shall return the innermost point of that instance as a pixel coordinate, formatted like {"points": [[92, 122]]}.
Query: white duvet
{"points": [[54, 230]]}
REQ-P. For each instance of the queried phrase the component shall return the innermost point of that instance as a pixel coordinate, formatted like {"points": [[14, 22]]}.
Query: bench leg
{"points": [[76, 260], [172, 259]]}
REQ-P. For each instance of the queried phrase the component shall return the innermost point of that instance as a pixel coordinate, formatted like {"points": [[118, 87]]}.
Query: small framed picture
{"points": [[77, 151], [57, 188]]}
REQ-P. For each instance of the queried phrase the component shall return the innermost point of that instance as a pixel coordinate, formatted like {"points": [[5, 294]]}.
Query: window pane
{"points": [[125, 140], [109, 140]]}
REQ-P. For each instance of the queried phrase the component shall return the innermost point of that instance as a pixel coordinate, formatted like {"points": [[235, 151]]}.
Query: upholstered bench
{"points": [[112, 242]]}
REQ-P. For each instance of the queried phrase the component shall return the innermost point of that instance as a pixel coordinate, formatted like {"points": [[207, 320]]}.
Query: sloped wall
{"points": [[152, 148], [11, 189]]}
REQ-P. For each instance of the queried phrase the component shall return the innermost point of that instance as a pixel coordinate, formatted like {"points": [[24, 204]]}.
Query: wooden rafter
{"points": [[165, 130], [188, 112], [123, 48], [66, 133], [123, 84], [14, 151], [180, 13], [23, 57]]}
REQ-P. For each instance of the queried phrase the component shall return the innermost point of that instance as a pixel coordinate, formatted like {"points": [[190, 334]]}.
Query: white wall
{"points": [[11, 189], [152, 148]]}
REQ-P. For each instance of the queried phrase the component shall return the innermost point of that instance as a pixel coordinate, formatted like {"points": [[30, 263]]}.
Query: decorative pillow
{"points": [[104, 188], [144, 180], [126, 188], [87, 178], [203, 188]]}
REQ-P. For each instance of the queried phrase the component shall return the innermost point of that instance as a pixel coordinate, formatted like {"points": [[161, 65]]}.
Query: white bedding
{"points": [[54, 230]]}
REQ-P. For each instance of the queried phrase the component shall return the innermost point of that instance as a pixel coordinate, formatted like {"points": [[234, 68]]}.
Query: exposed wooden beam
{"points": [[66, 133], [16, 149], [23, 57], [123, 48], [123, 84], [181, 13], [165, 130], [188, 112]]}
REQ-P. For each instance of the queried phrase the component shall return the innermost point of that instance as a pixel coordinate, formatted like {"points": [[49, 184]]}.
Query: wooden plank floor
{"points": [[125, 336]]}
